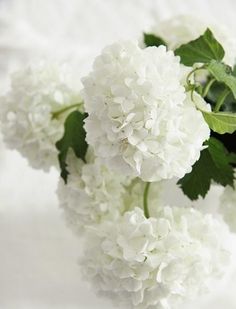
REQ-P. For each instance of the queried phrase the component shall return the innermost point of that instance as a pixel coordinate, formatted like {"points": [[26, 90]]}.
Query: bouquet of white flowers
{"points": [[149, 111]]}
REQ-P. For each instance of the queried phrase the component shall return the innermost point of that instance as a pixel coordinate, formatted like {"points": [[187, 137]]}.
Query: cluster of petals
{"points": [[141, 126], [157, 262], [94, 193], [36, 94], [140, 119]]}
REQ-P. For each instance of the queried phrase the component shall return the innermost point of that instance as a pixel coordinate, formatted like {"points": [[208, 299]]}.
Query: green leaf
{"points": [[224, 74], [198, 181], [74, 138], [222, 160], [234, 70], [218, 152], [202, 50], [232, 158], [227, 139], [214, 165], [216, 90], [220, 122], [230, 105], [152, 40]]}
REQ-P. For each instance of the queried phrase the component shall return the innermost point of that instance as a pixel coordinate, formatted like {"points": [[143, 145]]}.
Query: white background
{"points": [[38, 253]]}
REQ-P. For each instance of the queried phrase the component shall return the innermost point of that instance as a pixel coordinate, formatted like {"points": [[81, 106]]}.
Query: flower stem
{"points": [[221, 99], [193, 72], [207, 87], [145, 200], [56, 114]]}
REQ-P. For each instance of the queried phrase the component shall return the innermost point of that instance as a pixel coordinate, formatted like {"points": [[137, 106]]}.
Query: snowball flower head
{"points": [[140, 119], [182, 29], [156, 262], [37, 93], [93, 193], [228, 206]]}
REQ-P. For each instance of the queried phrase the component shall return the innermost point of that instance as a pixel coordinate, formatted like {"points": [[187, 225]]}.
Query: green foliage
{"points": [[214, 165], [220, 122], [229, 104], [74, 138], [153, 40], [202, 50], [206, 49], [224, 74]]}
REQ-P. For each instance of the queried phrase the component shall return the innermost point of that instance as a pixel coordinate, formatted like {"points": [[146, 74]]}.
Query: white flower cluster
{"points": [[143, 125], [228, 206], [27, 112], [140, 119], [182, 29], [155, 263], [94, 193]]}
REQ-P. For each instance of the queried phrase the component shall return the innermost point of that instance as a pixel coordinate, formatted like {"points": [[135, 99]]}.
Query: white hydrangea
{"points": [[157, 262], [26, 112], [182, 29], [140, 119], [228, 206], [94, 193]]}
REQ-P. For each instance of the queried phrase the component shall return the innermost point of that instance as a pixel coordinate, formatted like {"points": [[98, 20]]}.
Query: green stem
{"points": [[221, 99], [56, 114], [145, 200], [207, 87], [192, 72]]}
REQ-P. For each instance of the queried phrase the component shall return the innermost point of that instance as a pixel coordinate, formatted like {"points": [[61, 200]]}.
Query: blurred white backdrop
{"points": [[38, 258]]}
